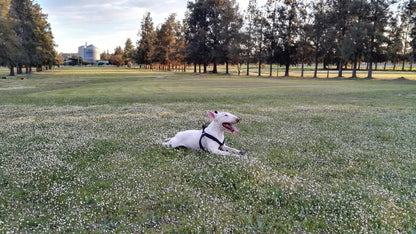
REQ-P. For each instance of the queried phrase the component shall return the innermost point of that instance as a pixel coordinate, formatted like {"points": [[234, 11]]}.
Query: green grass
{"points": [[80, 151]]}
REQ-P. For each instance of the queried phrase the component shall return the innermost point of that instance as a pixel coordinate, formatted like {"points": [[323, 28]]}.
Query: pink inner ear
{"points": [[211, 115]]}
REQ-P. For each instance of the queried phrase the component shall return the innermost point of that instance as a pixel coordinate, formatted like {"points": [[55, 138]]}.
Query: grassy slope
{"points": [[80, 150]]}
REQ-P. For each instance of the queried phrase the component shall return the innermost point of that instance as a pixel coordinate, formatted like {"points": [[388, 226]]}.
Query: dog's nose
{"points": [[238, 120]]}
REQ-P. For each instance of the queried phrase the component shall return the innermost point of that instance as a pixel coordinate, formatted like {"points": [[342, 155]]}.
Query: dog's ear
{"points": [[211, 115]]}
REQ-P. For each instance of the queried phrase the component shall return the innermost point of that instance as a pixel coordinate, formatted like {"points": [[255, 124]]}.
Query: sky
{"points": [[106, 23]]}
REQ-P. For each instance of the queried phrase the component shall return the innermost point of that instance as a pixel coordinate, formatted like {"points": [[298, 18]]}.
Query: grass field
{"points": [[81, 152]]}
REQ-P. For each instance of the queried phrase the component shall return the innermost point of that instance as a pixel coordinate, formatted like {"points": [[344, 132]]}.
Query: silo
{"points": [[81, 51], [89, 53], [92, 54]]}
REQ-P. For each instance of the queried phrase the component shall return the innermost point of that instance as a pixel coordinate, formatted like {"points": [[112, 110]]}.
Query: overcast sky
{"points": [[106, 23]]}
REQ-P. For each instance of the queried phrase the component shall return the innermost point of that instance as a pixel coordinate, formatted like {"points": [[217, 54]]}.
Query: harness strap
{"points": [[204, 134]]}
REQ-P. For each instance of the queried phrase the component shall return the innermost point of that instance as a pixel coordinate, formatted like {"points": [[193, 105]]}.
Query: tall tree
{"points": [[230, 26], [258, 34], [289, 22], [146, 44], [412, 9], [179, 53], [21, 12], [342, 20], [218, 21], [408, 11], [352, 45], [377, 20], [166, 40], [10, 46], [128, 51], [248, 38], [318, 32], [394, 43], [197, 49], [44, 45]]}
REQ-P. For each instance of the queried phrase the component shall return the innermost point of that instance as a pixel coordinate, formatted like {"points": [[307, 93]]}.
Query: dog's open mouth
{"points": [[230, 127]]}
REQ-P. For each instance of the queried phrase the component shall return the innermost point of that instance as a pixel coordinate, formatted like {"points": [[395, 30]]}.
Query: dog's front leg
{"points": [[232, 150], [219, 152]]}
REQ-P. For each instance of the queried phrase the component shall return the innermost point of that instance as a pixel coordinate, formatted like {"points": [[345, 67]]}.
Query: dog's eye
{"points": [[226, 115]]}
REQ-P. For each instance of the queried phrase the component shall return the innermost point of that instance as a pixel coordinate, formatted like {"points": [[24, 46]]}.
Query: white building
{"points": [[89, 53]]}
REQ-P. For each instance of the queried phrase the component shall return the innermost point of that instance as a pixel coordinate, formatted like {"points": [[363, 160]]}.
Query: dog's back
{"points": [[188, 139]]}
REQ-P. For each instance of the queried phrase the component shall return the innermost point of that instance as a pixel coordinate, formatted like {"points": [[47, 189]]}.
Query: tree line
{"points": [[26, 38], [336, 33], [341, 33]]}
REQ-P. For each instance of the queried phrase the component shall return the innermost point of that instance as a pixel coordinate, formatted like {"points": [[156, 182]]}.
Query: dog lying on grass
{"points": [[210, 138]]}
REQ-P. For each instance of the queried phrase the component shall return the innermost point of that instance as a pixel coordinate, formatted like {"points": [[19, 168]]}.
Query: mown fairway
{"points": [[81, 151]]}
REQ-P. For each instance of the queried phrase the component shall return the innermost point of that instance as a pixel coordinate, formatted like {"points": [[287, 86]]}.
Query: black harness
{"points": [[204, 134]]}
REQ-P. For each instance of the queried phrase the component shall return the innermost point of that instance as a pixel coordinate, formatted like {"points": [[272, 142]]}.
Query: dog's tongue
{"points": [[231, 128]]}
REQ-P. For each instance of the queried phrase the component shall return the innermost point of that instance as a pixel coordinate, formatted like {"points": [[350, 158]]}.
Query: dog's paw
{"points": [[242, 152]]}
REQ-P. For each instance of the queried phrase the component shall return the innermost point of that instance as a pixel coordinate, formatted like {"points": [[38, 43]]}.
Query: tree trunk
{"points": [[248, 68], [194, 67], [11, 71], [214, 70], [315, 73], [354, 69], [403, 65], [271, 69], [302, 69], [19, 69], [385, 65], [340, 68], [259, 68], [370, 70], [226, 68], [287, 70], [205, 68]]}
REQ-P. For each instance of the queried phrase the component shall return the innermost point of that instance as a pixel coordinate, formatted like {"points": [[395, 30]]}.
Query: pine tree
{"points": [[166, 40], [288, 27], [259, 27], [377, 21], [248, 37], [128, 52], [229, 35], [21, 11], [212, 27], [10, 46], [197, 48], [147, 43], [44, 46], [341, 20]]}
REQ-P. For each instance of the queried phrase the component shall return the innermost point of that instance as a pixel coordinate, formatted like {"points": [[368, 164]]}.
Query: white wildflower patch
{"points": [[317, 161]]}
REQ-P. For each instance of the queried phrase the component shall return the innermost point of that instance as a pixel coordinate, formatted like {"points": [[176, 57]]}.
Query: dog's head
{"points": [[225, 119]]}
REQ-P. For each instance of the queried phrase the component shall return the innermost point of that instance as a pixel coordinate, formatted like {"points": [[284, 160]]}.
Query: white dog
{"points": [[210, 138]]}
